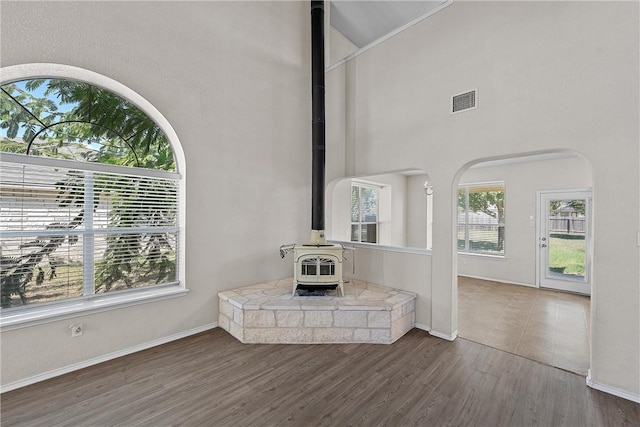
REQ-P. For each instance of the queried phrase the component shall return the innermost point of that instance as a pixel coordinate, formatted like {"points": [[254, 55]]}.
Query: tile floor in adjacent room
{"points": [[543, 325]]}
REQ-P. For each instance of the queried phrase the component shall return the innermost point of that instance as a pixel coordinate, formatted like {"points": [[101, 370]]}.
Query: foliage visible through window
{"points": [[73, 120], [70, 229], [364, 213], [481, 219]]}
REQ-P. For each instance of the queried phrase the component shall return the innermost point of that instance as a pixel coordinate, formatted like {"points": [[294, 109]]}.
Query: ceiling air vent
{"points": [[464, 101]]}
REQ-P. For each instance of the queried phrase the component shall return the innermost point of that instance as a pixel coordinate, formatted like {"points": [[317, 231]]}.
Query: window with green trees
{"points": [[481, 218], [89, 194]]}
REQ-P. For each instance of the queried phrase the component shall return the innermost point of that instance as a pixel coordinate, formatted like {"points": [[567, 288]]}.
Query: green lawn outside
{"points": [[481, 241], [567, 253]]}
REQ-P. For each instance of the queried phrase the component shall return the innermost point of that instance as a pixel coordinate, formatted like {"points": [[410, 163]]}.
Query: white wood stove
{"points": [[318, 267]]}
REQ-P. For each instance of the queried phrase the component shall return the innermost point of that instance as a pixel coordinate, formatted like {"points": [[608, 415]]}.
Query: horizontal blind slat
{"points": [[41, 216]]}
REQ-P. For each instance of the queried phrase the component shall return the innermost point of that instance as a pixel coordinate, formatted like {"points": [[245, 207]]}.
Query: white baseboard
{"points": [[508, 282], [448, 337], [86, 363], [634, 397], [423, 327]]}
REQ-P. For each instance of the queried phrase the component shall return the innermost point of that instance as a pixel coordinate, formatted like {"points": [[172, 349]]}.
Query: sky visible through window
{"points": [[71, 229], [40, 93], [74, 120]]}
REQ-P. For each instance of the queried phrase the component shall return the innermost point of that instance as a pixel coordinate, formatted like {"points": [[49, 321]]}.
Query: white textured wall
{"points": [[396, 268], [522, 181], [339, 46], [417, 212], [232, 78], [551, 75], [338, 207]]}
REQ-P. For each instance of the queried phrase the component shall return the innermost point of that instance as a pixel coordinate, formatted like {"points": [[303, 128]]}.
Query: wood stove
{"points": [[317, 268], [317, 265]]}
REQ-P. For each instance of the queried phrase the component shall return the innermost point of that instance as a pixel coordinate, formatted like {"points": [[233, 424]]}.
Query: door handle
{"points": [[543, 245]]}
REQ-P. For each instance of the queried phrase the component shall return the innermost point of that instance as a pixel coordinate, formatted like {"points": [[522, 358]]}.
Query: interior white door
{"points": [[564, 241]]}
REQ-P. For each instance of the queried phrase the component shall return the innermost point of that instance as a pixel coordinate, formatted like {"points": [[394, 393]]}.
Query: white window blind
{"points": [[364, 213], [481, 218], [72, 229]]}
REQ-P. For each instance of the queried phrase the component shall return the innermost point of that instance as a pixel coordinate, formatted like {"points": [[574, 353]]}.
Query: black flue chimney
{"points": [[317, 123], [317, 266]]}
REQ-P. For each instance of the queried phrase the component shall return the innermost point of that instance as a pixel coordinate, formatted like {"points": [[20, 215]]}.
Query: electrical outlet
{"points": [[76, 329]]}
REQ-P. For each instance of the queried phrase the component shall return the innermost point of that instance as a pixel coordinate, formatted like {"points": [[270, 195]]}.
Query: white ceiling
{"points": [[363, 22]]}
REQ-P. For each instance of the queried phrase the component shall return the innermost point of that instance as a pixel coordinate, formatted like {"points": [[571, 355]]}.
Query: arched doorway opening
{"points": [[510, 242]]}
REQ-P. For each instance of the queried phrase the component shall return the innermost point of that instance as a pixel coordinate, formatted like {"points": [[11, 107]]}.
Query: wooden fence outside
{"points": [[567, 224]]}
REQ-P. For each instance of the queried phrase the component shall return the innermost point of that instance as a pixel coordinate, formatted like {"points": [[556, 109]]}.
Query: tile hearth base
{"points": [[267, 313]]}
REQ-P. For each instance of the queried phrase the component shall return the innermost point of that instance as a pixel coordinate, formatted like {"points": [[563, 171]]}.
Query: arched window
{"points": [[90, 193]]}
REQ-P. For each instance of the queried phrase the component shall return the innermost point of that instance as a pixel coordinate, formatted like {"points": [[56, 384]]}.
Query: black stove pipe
{"points": [[317, 123]]}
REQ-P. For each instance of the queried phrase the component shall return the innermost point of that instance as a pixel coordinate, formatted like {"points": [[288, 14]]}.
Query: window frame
{"points": [[467, 250], [360, 223], [29, 315]]}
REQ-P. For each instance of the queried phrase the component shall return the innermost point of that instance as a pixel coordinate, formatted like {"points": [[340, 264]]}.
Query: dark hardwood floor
{"points": [[210, 379]]}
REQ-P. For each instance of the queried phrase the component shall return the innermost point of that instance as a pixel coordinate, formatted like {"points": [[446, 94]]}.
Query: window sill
{"points": [[34, 315], [379, 247], [480, 255]]}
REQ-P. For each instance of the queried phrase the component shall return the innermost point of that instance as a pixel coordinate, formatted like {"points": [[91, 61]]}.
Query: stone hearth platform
{"points": [[268, 313]]}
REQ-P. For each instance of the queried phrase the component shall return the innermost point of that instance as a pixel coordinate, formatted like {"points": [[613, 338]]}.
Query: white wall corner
{"points": [[448, 337], [634, 397], [422, 326], [96, 360]]}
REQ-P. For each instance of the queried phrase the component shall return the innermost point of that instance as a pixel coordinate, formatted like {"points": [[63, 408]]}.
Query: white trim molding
{"points": [[422, 326], [100, 359], [634, 397], [488, 279], [448, 337], [22, 318], [378, 247]]}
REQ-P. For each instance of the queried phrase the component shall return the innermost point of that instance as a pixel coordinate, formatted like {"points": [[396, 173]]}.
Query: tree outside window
{"points": [[481, 218], [71, 229]]}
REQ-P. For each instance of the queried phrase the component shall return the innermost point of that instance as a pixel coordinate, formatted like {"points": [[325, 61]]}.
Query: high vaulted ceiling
{"points": [[364, 22]]}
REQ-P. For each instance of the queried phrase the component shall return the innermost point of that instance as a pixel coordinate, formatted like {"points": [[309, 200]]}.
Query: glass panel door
{"points": [[564, 241]]}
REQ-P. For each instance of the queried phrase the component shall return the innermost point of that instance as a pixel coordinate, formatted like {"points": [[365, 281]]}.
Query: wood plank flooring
{"points": [[211, 379]]}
